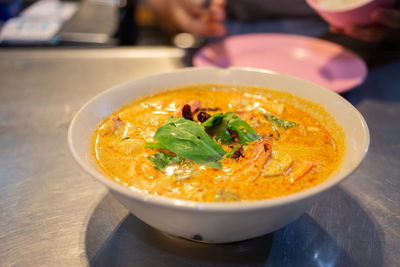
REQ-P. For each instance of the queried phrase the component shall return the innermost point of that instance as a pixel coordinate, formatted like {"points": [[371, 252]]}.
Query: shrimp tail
{"points": [[256, 163], [259, 158], [300, 168]]}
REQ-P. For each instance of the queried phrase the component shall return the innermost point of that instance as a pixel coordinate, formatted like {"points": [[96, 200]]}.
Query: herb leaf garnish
{"points": [[162, 160], [245, 131], [219, 124], [154, 145], [214, 120], [235, 152], [189, 140], [232, 152], [278, 121]]}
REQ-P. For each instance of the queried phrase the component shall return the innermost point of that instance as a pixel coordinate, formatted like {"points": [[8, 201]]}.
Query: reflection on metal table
{"points": [[52, 213]]}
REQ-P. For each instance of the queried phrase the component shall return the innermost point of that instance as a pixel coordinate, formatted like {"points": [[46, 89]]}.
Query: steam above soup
{"points": [[219, 143]]}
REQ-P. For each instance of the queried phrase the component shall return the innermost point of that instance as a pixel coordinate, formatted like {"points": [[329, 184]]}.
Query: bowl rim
{"points": [[138, 195], [312, 4]]}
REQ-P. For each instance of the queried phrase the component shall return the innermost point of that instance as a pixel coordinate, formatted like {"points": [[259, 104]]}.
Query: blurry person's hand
{"points": [[192, 16], [385, 18]]}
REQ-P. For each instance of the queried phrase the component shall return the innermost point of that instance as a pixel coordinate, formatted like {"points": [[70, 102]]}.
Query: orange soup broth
{"points": [[317, 139]]}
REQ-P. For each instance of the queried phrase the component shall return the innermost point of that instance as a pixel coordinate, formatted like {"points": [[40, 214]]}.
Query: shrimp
{"points": [[256, 163], [300, 168], [111, 126]]}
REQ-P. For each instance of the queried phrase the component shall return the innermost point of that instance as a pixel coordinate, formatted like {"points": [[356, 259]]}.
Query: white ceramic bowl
{"points": [[217, 222], [360, 14]]}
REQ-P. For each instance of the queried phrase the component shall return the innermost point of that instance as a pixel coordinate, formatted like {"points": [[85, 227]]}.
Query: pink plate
{"points": [[319, 61]]}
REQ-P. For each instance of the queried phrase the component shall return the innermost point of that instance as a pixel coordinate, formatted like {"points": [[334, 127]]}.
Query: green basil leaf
{"points": [[189, 140], [162, 160], [279, 122], [218, 125], [154, 145], [230, 153], [214, 120], [245, 132], [224, 136]]}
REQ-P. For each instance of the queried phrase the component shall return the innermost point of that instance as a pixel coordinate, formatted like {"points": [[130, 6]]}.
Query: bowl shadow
{"points": [[336, 231]]}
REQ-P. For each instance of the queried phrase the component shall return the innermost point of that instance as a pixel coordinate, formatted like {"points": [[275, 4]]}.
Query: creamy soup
{"points": [[211, 142]]}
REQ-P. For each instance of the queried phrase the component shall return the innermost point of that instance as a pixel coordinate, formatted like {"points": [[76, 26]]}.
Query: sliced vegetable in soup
{"points": [[210, 142]]}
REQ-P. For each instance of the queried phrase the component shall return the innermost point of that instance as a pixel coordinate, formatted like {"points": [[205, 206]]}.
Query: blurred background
{"points": [[111, 23], [108, 23], [89, 23]]}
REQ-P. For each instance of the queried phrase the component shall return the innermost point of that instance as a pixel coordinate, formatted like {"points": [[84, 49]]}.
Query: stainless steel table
{"points": [[54, 214]]}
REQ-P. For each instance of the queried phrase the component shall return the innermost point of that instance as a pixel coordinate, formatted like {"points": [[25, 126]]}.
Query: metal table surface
{"points": [[53, 214]]}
